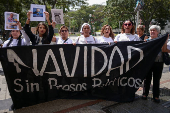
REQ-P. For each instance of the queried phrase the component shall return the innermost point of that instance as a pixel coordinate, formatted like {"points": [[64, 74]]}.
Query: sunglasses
{"points": [[127, 24], [63, 30]]}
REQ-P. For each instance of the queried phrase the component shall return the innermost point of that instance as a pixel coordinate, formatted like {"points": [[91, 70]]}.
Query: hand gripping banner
{"points": [[37, 74]]}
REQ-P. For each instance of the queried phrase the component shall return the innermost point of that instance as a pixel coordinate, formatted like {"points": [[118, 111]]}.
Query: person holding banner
{"points": [[156, 69], [16, 39], [140, 32], [107, 35], [42, 37], [64, 32], [127, 32], [85, 38]]}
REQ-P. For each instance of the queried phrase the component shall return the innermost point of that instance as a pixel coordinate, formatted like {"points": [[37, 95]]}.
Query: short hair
{"points": [[63, 27], [158, 28], [141, 27]]}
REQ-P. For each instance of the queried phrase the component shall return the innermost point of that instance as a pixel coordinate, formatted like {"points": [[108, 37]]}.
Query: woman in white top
{"points": [[85, 38], [107, 35], [64, 33], [16, 39], [127, 32]]}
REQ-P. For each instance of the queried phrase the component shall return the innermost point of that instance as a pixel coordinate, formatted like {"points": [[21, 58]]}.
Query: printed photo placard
{"points": [[11, 19], [37, 12], [57, 16]]}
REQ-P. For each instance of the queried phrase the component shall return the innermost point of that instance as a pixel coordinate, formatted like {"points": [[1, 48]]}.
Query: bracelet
{"points": [[28, 19]]}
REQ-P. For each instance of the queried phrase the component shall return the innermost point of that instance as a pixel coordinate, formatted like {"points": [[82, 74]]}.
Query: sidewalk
{"points": [[95, 106]]}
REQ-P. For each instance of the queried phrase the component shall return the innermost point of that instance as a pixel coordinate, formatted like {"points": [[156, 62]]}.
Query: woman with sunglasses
{"points": [[140, 32], [42, 37], [107, 35], [16, 39], [127, 32], [85, 38], [64, 33]]}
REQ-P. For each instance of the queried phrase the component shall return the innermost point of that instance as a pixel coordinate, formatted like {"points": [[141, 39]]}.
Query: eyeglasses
{"points": [[63, 30], [106, 29], [128, 24]]}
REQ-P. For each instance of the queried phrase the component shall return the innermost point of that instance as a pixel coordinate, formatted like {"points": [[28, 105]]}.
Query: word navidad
{"points": [[107, 61]]}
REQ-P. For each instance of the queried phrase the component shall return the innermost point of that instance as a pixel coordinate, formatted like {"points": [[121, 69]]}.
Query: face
{"points": [[57, 19], [86, 29], [15, 34], [153, 33], [127, 26], [139, 32], [64, 33], [107, 31], [41, 29], [11, 15], [38, 10]]}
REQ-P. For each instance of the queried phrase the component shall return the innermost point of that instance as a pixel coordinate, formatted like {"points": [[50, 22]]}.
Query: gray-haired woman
{"points": [[155, 71]]}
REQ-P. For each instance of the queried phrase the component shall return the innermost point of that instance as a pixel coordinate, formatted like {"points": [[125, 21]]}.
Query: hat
{"points": [[81, 30]]}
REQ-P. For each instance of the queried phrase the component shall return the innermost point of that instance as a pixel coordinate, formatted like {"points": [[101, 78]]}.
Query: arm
{"points": [[26, 38], [27, 28], [28, 17], [146, 37], [117, 38], [164, 48], [47, 17], [5, 43], [51, 33], [53, 24]]}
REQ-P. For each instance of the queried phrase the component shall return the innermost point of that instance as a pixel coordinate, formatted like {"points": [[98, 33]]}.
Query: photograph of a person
{"points": [[11, 20], [37, 12], [57, 18]]}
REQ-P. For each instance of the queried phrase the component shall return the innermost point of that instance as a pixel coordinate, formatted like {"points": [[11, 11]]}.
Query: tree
{"points": [[120, 10], [22, 6], [81, 16], [155, 9]]}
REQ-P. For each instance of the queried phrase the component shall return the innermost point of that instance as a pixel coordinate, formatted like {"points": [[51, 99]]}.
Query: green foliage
{"points": [[120, 10], [81, 16], [22, 6]]}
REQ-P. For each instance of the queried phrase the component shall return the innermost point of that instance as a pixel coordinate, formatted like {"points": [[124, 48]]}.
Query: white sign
{"points": [[37, 12], [57, 16], [11, 19]]}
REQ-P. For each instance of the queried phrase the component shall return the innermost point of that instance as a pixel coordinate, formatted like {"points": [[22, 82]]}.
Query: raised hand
{"points": [[53, 24], [19, 25], [29, 14], [47, 15]]}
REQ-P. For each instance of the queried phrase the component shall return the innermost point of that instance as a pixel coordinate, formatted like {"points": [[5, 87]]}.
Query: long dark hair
{"points": [[19, 40], [44, 39]]}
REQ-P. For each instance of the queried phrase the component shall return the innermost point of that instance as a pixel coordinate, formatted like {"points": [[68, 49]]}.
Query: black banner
{"points": [[37, 74]]}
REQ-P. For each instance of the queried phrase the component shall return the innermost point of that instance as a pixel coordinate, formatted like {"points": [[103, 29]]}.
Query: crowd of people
{"points": [[44, 35]]}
